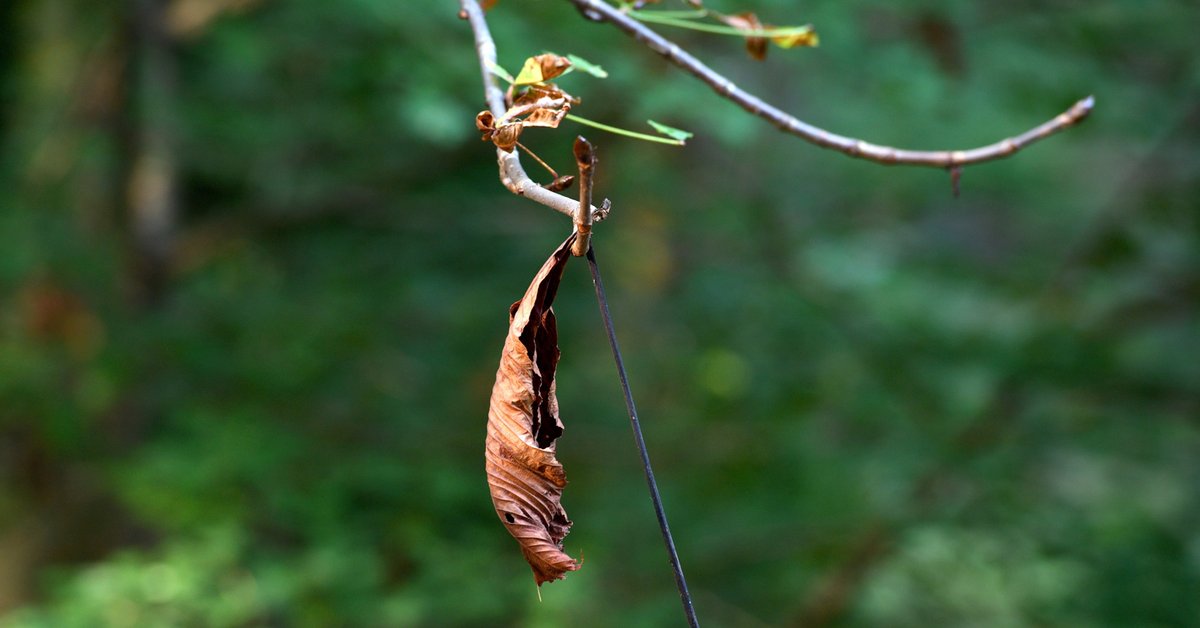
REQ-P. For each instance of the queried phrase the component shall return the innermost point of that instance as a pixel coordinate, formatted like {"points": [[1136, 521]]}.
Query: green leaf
{"points": [[586, 66], [495, 68], [530, 73], [671, 132], [625, 132]]}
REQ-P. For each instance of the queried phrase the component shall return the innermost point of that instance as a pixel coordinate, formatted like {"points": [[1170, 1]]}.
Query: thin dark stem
{"points": [[545, 165], [680, 582], [602, 11]]}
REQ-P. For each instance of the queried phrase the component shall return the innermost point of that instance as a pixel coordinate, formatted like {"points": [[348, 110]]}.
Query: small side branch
{"points": [[512, 173], [585, 159], [601, 11]]}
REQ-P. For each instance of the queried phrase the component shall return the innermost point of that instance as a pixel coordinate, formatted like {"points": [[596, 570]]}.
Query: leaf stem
{"points": [[655, 17], [682, 14], [625, 132], [537, 159], [680, 583]]}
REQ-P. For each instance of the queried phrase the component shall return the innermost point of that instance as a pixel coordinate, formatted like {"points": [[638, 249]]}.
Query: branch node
{"points": [[512, 173]]}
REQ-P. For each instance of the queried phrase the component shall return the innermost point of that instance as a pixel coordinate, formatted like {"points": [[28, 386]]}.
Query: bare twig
{"points": [[512, 174], [585, 158], [601, 11]]}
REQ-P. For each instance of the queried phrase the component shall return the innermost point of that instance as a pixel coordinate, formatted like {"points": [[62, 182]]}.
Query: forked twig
{"points": [[512, 173], [599, 10], [583, 214]]}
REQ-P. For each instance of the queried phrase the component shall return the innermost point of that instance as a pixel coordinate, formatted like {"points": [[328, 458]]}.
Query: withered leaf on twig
{"points": [[756, 46], [525, 478], [538, 105], [756, 43], [504, 135], [542, 68]]}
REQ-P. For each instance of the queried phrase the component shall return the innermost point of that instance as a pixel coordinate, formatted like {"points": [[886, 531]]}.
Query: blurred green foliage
{"points": [[868, 403]]}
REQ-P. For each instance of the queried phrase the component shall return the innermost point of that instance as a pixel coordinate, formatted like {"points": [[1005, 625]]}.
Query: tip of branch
{"points": [[584, 156], [1083, 108]]}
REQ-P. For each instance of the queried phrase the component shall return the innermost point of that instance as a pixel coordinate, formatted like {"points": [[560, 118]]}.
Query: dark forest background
{"points": [[255, 267]]}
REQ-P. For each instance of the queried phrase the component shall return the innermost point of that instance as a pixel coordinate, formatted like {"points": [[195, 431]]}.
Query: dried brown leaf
{"points": [[542, 68], [784, 37], [756, 46], [546, 117], [538, 105], [507, 136], [504, 134], [547, 96], [552, 65], [486, 123], [525, 478]]}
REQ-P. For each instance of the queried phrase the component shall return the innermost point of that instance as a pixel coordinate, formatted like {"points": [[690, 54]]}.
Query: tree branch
{"points": [[512, 174], [599, 10]]}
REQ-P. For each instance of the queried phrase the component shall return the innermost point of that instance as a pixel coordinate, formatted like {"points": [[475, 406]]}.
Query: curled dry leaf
{"points": [[548, 96], [539, 105], [504, 135], [525, 478], [542, 68], [756, 44]]}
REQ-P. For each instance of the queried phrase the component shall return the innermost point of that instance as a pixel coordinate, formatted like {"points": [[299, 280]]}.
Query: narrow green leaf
{"points": [[530, 73], [671, 132], [685, 14], [587, 66], [495, 68], [772, 32], [619, 131]]}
